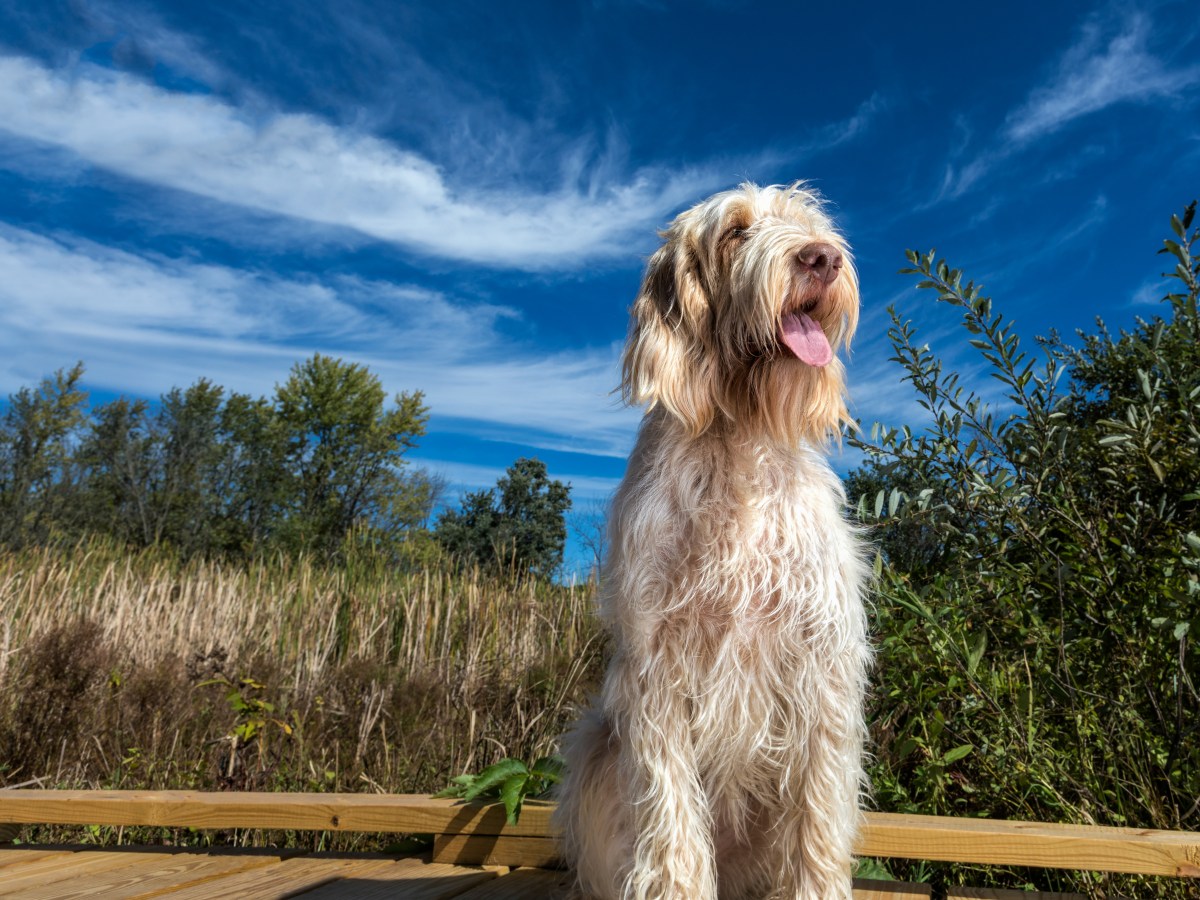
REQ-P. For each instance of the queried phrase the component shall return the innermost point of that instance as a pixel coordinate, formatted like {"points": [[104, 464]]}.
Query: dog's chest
{"points": [[770, 531], [713, 544]]}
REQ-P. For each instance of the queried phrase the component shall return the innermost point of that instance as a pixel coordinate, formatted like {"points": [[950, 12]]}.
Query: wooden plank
{"points": [[883, 834], [872, 889], [522, 884], [132, 866], [127, 883], [410, 879], [54, 869], [1007, 894], [495, 850], [406, 813], [15, 856], [996, 842], [279, 880]]}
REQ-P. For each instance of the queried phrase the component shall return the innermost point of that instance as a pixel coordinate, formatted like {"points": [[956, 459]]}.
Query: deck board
{"points": [[12, 856], [522, 884], [869, 889], [278, 880], [144, 873], [61, 867], [158, 875], [410, 879]]}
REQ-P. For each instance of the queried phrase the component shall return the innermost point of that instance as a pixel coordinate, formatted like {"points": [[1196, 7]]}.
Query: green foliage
{"points": [[36, 439], [1039, 580], [509, 780], [255, 718], [215, 475], [345, 449], [520, 524]]}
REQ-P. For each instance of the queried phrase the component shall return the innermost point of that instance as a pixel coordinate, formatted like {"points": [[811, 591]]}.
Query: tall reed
{"points": [[136, 670]]}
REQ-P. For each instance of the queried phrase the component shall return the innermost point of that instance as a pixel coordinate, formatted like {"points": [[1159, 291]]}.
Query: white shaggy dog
{"points": [[723, 758]]}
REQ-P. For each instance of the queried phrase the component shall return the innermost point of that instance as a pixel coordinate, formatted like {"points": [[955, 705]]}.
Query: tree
{"points": [[590, 525], [36, 448], [344, 450], [116, 461], [254, 477], [190, 453], [519, 523]]}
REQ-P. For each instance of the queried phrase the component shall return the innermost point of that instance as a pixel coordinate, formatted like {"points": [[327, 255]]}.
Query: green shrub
{"points": [[1038, 593]]}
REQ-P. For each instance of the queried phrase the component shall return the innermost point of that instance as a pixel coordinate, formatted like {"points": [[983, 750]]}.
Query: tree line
{"points": [[216, 473]]}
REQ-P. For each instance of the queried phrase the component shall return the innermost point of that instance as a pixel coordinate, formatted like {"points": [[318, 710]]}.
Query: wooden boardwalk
{"points": [[59, 873], [476, 854]]}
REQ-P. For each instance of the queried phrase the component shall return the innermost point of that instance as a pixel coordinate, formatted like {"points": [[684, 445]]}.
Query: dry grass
{"points": [[364, 677]]}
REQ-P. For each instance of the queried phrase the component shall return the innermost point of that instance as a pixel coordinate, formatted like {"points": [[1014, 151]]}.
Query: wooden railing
{"points": [[478, 834]]}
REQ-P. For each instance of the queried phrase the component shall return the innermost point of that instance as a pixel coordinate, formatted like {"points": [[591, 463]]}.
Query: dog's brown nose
{"points": [[823, 260]]}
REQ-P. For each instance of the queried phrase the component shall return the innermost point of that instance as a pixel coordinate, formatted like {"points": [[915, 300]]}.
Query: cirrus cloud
{"points": [[297, 165]]}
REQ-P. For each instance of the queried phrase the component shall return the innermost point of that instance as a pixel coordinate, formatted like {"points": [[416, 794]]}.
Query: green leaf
{"points": [[495, 775], [976, 653], [512, 792], [957, 753], [549, 769], [1173, 248]]}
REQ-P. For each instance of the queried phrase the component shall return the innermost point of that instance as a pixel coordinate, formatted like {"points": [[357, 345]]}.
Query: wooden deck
{"points": [[59, 873], [476, 854]]}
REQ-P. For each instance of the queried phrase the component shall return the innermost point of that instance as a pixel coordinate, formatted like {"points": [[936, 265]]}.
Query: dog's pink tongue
{"points": [[805, 338]]}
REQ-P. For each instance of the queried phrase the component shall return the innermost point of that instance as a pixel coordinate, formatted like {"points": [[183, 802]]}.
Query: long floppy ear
{"points": [[669, 357]]}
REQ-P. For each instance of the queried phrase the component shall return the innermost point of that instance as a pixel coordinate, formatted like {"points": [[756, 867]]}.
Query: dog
{"points": [[723, 756]]}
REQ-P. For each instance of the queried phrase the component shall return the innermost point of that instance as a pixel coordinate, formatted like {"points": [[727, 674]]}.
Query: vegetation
{"points": [[520, 525], [139, 670], [229, 593], [1038, 587], [510, 781], [214, 474]]}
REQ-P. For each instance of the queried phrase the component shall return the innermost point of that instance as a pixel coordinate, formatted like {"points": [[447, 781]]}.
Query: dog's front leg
{"points": [[673, 850]]}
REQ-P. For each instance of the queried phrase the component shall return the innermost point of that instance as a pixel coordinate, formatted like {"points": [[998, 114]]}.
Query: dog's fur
{"points": [[723, 757]]}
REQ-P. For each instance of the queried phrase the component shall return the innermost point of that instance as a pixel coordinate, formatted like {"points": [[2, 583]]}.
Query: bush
{"points": [[1038, 588]]}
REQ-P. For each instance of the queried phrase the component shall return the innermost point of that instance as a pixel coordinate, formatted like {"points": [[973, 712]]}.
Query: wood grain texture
{"points": [[408, 879], [869, 889], [522, 884], [155, 877], [403, 813], [80, 864], [495, 850], [985, 841], [283, 879], [12, 856], [996, 842]]}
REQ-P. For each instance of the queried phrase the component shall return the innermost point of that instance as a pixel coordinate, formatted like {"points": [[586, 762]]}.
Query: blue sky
{"points": [[461, 196]]}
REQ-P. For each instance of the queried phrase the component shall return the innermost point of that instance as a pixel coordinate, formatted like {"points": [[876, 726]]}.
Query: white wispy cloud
{"points": [[1096, 72], [1108, 64], [300, 166], [144, 324]]}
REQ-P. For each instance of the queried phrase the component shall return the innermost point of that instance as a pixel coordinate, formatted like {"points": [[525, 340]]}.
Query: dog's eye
{"points": [[736, 233]]}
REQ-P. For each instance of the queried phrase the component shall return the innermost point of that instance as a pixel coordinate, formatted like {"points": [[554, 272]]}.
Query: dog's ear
{"points": [[668, 357]]}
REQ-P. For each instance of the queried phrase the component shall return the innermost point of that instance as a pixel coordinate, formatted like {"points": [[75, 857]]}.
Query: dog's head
{"points": [[740, 314]]}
